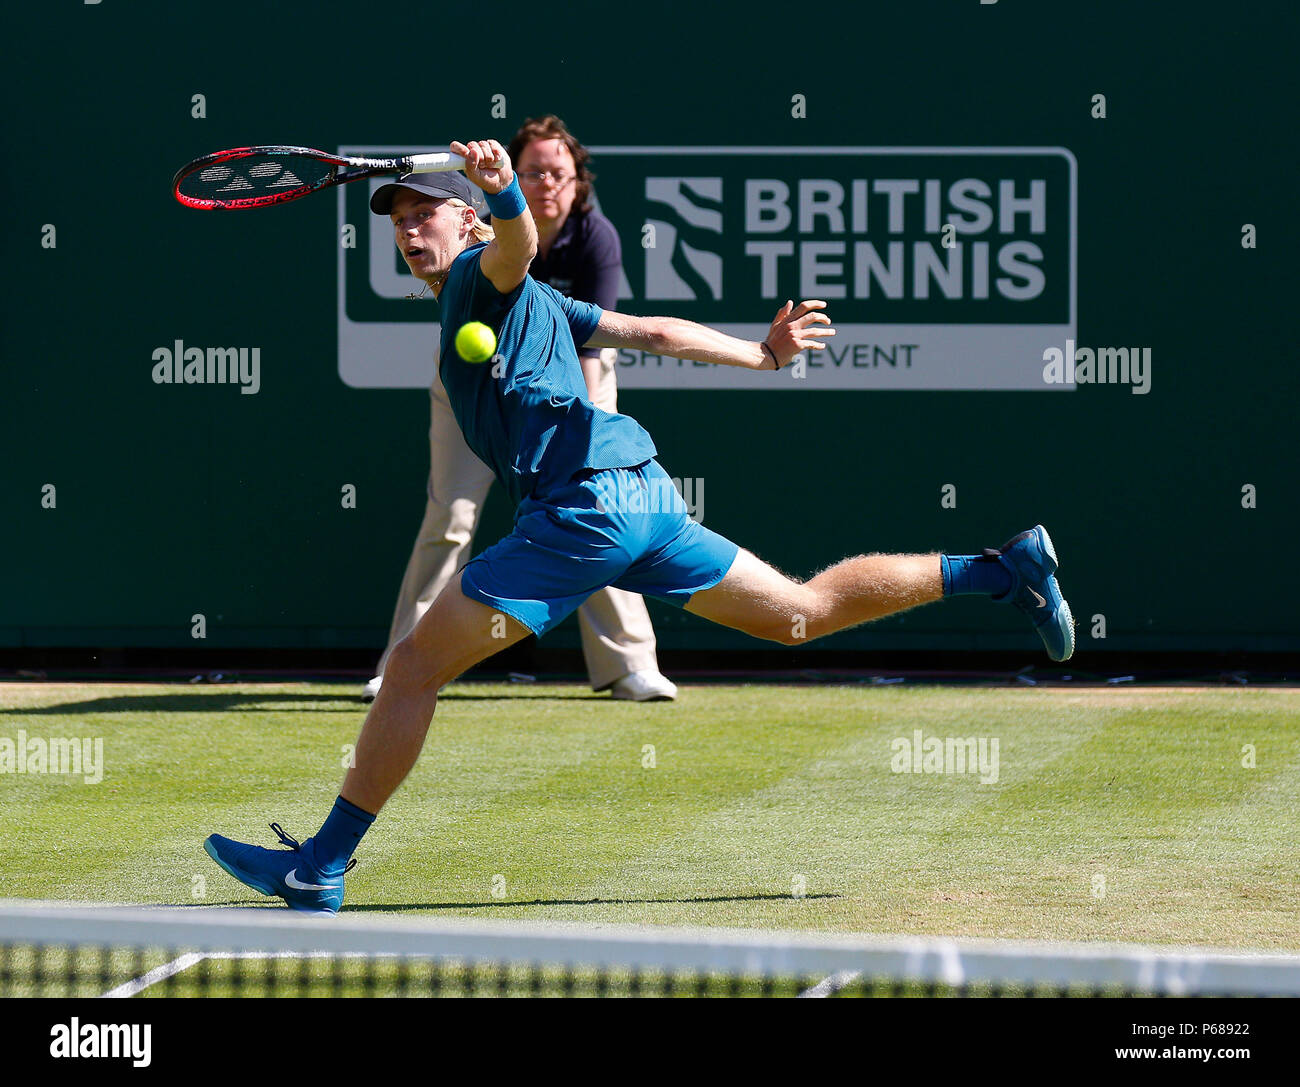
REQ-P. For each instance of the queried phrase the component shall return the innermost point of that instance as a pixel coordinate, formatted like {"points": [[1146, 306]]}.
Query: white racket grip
{"points": [[440, 161], [436, 162]]}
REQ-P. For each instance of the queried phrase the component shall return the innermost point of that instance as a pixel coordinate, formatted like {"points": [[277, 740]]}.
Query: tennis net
{"points": [[84, 951]]}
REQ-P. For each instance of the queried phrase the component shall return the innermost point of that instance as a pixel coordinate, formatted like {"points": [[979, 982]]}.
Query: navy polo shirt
{"points": [[584, 262]]}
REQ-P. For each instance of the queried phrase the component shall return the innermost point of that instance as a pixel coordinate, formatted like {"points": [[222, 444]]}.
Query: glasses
{"points": [[538, 177]]}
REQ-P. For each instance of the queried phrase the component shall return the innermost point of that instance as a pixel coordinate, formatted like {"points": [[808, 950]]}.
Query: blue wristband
{"points": [[509, 203]]}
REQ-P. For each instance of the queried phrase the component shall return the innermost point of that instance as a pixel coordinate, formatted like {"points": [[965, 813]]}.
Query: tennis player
{"points": [[578, 254], [594, 507]]}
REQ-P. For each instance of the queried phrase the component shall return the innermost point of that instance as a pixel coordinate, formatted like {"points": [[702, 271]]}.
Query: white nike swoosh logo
{"points": [[1041, 602], [291, 880]]}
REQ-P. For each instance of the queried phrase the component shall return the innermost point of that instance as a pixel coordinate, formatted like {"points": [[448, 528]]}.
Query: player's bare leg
{"points": [[762, 601], [453, 636]]}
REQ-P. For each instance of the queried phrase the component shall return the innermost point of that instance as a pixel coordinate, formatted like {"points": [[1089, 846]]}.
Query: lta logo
{"points": [[683, 262], [944, 268]]}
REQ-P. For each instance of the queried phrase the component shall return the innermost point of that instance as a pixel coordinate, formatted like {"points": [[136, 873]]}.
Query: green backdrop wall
{"points": [[173, 500]]}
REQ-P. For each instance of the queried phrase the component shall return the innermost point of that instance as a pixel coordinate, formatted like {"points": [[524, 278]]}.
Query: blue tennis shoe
{"points": [[1031, 559], [288, 873]]}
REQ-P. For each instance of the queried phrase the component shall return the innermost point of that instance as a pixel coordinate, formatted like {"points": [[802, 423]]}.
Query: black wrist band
{"points": [[776, 365]]}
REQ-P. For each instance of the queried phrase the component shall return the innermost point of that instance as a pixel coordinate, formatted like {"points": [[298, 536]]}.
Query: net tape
{"points": [[829, 963]]}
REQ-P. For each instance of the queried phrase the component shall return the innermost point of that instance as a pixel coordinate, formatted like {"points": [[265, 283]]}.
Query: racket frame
{"points": [[344, 169]]}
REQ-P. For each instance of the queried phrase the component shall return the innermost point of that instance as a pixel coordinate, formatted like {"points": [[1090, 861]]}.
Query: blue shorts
{"points": [[626, 527]]}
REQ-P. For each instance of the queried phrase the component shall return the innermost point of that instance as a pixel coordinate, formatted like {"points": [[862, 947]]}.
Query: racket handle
{"points": [[439, 162], [436, 162]]}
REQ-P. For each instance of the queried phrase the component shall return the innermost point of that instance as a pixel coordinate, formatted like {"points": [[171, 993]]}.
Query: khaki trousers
{"points": [[617, 637]]}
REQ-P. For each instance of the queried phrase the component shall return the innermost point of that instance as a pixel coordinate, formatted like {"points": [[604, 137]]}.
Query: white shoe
{"points": [[644, 687], [371, 689]]}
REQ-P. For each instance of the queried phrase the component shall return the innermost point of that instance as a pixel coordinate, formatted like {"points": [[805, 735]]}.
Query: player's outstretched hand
{"points": [[486, 164], [798, 328]]}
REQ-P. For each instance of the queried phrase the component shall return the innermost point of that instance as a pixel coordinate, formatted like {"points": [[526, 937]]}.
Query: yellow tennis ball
{"points": [[475, 342]]}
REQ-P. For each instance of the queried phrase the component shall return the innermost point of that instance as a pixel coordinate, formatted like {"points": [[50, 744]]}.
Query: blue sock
{"points": [[338, 839], [963, 574]]}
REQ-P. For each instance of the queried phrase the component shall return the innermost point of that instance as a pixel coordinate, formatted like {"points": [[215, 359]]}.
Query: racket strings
{"points": [[255, 175]]}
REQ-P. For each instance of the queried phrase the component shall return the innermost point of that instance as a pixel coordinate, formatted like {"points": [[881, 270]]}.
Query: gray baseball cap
{"points": [[451, 183]]}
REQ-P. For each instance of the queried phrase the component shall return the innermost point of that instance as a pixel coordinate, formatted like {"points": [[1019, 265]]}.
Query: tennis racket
{"points": [[257, 177]]}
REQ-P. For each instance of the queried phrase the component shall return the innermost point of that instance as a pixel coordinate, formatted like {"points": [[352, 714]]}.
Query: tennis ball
{"points": [[475, 342]]}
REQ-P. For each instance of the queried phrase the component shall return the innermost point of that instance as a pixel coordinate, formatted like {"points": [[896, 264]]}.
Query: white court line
{"points": [[184, 962], [157, 974], [832, 984], [193, 958]]}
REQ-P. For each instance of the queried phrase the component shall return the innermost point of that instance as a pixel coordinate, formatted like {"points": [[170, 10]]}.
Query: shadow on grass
{"points": [[210, 700], [506, 904]]}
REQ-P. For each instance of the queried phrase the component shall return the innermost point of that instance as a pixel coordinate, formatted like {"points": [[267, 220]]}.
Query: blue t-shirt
{"points": [[533, 424]]}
